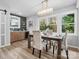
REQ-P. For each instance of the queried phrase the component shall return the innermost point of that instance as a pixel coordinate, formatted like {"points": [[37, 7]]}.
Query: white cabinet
{"points": [[3, 27]]}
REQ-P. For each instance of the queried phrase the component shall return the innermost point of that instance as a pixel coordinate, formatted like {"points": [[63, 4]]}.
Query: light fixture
{"points": [[45, 10]]}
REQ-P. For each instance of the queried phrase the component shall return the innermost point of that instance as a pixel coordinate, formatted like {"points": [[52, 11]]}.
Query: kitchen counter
{"points": [[18, 31]]}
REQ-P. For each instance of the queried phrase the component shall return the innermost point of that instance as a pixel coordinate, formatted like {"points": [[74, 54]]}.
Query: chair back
{"points": [[37, 41], [65, 41], [30, 32]]}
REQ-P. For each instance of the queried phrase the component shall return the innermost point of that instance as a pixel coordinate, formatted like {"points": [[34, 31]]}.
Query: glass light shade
{"points": [[45, 12]]}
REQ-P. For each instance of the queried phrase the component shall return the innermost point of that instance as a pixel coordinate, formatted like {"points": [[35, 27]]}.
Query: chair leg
{"points": [[53, 49], [67, 54], [33, 51], [39, 53], [46, 48], [50, 44]]}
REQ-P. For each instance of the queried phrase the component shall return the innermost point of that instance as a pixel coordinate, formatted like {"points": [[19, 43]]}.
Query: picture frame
{"points": [[30, 23]]}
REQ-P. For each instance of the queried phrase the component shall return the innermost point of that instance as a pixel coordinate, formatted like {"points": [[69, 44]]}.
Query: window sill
{"points": [[71, 34]]}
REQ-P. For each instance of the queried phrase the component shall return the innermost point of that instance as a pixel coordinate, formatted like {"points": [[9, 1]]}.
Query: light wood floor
{"points": [[19, 50]]}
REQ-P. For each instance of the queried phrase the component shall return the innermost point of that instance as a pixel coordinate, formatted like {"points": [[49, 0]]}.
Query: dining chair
{"points": [[31, 33], [64, 45], [51, 42], [48, 32], [37, 42]]}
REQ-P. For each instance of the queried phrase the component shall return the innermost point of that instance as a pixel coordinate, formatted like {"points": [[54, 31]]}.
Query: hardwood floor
{"points": [[19, 50]]}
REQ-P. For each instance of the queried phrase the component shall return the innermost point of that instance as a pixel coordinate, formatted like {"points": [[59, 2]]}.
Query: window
{"points": [[48, 23], [14, 22], [52, 24], [43, 25], [68, 23], [59, 23]]}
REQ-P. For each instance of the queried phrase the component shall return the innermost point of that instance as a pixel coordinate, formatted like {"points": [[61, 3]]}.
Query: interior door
{"points": [[4, 30]]}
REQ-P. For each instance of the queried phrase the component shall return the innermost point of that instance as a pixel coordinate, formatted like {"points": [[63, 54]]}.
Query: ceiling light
{"points": [[45, 10]]}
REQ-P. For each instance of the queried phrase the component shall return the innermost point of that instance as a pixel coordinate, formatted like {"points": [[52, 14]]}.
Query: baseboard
{"points": [[17, 41], [5, 45], [74, 48]]}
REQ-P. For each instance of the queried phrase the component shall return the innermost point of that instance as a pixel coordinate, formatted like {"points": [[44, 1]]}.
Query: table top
{"points": [[46, 37]]}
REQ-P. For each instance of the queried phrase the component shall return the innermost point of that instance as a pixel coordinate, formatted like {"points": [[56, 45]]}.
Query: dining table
{"points": [[48, 38]]}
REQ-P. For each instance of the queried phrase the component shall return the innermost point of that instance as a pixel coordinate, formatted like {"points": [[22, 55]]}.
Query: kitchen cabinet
{"points": [[16, 36]]}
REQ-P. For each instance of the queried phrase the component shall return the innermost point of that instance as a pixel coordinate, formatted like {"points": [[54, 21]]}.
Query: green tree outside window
{"points": [[43, 25], [52, 24], [68, 23]]}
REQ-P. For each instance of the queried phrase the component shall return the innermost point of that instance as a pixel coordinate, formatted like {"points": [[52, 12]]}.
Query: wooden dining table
{"points": [[48, 38]]}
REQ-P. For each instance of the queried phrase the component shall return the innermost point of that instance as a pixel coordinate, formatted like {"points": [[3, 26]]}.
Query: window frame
{"points": [[16, 20], [75, 21], [68, 23]]}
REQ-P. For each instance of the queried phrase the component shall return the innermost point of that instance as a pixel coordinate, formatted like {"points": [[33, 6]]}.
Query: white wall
{"points": [[8, 29], [77, 4], [35, 20], [78, 25]]}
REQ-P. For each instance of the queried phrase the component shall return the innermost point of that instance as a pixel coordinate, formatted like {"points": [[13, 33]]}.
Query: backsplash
{"points": [[22, 24]]}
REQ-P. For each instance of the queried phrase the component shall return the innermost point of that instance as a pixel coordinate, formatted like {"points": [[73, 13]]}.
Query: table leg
{"points": [[59, 48], [46, 48], [50, 44], [29, 42]]}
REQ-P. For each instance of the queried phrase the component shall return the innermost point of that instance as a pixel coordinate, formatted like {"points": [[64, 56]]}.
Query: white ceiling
{"points": [[30, 7]]}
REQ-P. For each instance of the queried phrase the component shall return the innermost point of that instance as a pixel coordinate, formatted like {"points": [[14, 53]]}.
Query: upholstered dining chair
{"points": [[37, 42], [64, 45]]}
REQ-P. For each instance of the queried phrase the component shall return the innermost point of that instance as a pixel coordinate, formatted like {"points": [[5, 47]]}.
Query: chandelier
{"points": [[45, 10]]}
